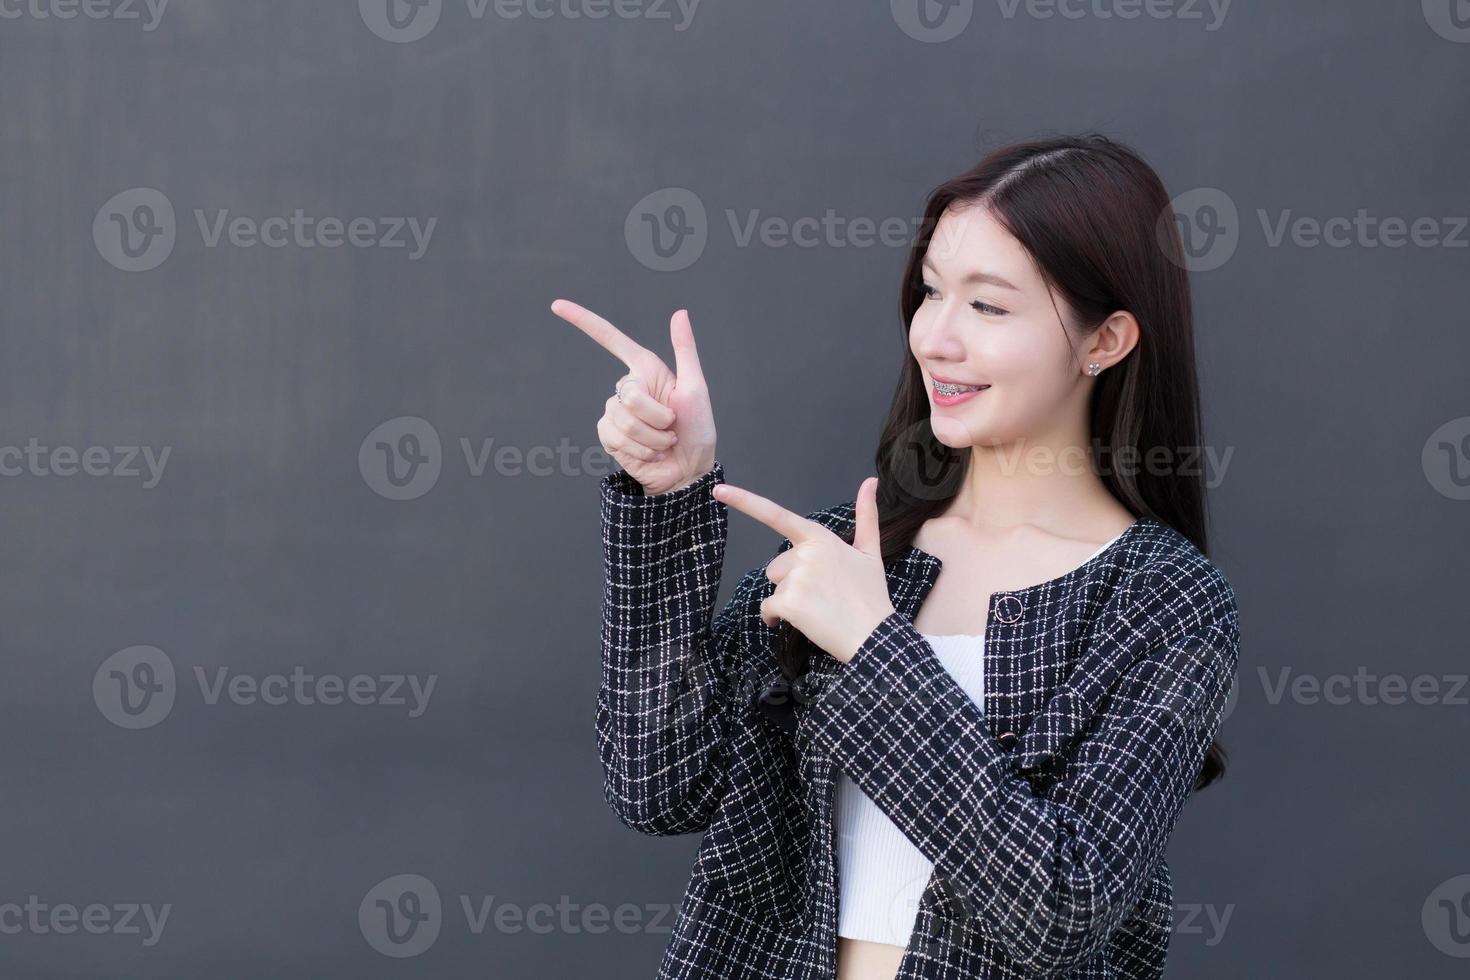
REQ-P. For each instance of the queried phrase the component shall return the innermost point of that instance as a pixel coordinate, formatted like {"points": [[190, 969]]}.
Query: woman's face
{"points": [[987, 318]]}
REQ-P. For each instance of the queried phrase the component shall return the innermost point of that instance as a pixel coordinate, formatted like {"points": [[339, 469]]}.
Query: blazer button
{"points": [[1008, 609], [777, 706], [1007, 740], [774, 693]]}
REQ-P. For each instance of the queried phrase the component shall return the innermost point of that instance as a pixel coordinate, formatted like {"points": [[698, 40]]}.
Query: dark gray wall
{"points": [[1334, 380]]}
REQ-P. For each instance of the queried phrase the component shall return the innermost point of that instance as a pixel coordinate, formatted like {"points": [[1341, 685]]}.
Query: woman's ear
{"points": [[1112, 340]]}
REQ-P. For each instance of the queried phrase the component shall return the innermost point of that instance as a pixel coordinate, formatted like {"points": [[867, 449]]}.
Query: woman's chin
{"points": [[951, 431]]}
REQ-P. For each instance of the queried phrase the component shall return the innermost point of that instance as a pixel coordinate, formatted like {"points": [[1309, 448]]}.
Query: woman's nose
{"points": [[938, 338]]}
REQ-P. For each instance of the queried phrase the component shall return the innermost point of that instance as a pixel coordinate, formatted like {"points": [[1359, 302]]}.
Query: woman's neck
{"points": [[1049, 484]]}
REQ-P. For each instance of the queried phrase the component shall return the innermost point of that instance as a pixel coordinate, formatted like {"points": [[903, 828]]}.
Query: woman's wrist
{"points": [[687, 483], [623, 488], [684, 484]]}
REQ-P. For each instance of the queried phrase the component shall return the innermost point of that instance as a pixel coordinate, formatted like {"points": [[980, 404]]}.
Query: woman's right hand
{"points": [[662, 432]]}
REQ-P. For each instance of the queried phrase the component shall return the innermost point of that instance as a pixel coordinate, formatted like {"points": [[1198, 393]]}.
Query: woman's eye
{"points": [[930, 292]]}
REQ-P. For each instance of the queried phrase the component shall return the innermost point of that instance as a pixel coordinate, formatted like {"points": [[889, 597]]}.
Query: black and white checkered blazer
{"points": [[1045, 812]]}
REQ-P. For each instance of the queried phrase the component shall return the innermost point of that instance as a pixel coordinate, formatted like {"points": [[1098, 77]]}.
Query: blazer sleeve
{"points": [[669, 673], [1050, 875]]}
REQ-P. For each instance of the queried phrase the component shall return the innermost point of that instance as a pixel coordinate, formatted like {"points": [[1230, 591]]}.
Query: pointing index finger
{"points": [[768, 512], [613, 340]]}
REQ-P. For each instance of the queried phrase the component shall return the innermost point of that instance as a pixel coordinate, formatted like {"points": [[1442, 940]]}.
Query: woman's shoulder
{"points": [[1166, 574]]}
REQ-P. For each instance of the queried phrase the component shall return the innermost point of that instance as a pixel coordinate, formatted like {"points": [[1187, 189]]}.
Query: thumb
{"points": [[686, 356], [866, 535]]}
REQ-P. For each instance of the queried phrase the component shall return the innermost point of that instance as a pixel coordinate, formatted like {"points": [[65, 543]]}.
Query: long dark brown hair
{"points": [[1098, 223]]}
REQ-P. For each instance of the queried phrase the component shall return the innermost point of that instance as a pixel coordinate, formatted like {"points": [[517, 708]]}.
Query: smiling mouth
{"points": [[947, 389]]}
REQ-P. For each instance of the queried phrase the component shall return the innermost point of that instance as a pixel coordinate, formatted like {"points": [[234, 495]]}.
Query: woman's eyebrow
{"points": [[976, 276]]}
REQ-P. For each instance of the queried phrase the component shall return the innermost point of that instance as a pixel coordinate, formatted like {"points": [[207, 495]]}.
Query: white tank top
{"points": [[881, 874]]}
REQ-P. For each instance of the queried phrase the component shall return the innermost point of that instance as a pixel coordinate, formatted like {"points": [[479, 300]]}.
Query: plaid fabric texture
{"points": [[1046, 813]]}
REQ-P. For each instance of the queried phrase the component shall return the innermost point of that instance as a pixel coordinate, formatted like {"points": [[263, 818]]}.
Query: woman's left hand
{"points": [[834, 592]]}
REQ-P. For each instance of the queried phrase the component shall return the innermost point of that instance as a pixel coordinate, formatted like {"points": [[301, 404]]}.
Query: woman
{"points": [[948, 729]]}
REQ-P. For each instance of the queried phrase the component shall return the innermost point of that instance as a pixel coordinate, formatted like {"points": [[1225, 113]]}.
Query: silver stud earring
{"points": [[1094, 368]]}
